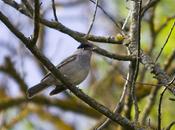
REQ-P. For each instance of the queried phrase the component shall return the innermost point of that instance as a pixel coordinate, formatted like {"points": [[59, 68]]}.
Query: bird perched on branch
{"points": [[75, 68]]}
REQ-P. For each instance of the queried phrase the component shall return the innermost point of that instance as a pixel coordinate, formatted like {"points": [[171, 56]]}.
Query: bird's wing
{"points": [[64, 62], [47, 75], [57, 89]]}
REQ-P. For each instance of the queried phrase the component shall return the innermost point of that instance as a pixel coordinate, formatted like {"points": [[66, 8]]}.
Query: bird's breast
{"points": [[76, 72]]}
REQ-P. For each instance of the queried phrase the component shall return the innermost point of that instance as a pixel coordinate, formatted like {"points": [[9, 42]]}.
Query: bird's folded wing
{"points": [[64, 62]]}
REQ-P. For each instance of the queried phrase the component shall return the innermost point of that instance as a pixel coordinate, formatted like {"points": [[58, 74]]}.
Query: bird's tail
{"points": [[58, 89], [36, 89]]}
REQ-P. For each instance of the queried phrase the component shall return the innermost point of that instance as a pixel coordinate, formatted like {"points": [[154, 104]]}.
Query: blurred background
{"points": [[20, 70]]}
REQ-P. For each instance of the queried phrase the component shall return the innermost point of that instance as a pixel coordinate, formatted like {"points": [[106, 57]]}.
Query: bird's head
{"points": [[85, 46]]}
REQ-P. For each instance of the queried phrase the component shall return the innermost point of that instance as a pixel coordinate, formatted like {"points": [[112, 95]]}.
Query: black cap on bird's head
{"points": [[84, 46]]}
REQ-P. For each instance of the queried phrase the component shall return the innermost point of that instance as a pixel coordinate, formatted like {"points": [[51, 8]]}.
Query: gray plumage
{"points": [[75, 68]]}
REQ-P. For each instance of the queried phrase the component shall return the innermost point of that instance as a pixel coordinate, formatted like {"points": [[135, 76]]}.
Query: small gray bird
{"points": [[75, 68]]}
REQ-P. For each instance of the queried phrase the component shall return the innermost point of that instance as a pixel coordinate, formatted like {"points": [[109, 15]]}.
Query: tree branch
{"points": [[36, 22], [135, 41], [61, 104], [54, 10], [60, 27]]}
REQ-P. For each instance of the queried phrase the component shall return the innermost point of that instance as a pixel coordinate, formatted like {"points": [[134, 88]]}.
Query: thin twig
{"points": [[126, 20], [160, 103], [110, 17], [93, 19], [54, 10], [150, 4], [142, 83], [165, 41], [152, 31], [170, 60], [172, 99], [151, 101], [171, 125], [28, 6], [36, 22], [164, 24], [159, 109]]}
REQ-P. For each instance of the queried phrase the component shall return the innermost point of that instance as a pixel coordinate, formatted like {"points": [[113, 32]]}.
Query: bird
{"points": [[75, 68]]}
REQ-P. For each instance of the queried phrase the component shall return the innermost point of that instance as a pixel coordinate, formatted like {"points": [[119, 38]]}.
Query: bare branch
{"points": [[36, 23], [135, 41], [93, 18], [28, 6], [171, 125], [111, 55], [110, 17], [165, 42], [150, 4], [159, 109], [169, 60], [160, 103], [164, 24], [54, 10]]}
